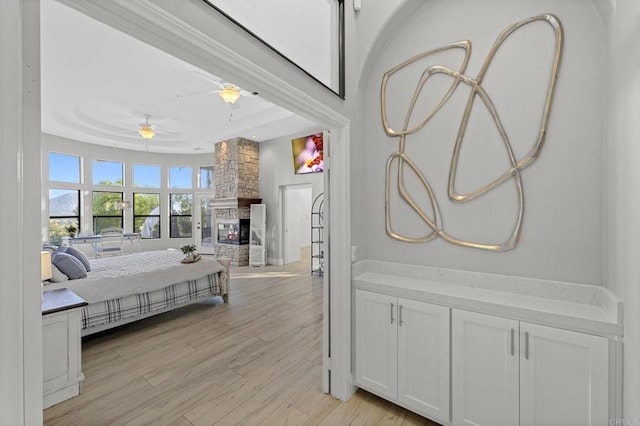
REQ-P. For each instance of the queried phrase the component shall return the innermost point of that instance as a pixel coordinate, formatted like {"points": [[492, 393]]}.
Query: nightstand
{"points": [[61, 345]]}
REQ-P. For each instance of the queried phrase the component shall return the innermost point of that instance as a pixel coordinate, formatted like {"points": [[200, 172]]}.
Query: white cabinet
{"points": [[506, 372], [61, 345], [402, 352], [376, 343], [484, 361], [62, 362], [564, 377]]}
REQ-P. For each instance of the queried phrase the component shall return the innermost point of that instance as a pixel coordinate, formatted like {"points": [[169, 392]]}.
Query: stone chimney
{"points": [[236, 177]]}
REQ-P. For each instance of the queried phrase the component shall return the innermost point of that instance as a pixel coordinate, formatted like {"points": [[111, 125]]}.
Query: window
{"points": [[206, 177], [309, 34], [146, 214], [180, 178], [106, 213], [107, 173], [180, 223], [146, 176], [64, 214], [64, 168]]}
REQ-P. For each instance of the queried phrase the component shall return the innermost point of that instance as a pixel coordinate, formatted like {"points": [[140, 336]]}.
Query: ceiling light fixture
{"points": [[230, 93], [146, 130]]}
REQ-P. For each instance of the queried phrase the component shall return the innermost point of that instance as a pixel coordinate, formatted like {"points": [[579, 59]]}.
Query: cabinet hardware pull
{"points": [[513, 344], [391, 312], [526, 345], [400, 315]]}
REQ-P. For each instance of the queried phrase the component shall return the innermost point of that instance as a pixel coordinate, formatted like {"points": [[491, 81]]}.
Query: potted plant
{"points": [[189, 251], [71, 230]]}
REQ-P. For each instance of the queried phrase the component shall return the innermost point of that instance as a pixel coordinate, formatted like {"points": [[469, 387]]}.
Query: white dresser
{"points": [[61, 345]]}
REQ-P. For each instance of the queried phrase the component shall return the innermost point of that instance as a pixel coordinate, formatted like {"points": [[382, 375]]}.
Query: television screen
{"points": [[307, 154]]}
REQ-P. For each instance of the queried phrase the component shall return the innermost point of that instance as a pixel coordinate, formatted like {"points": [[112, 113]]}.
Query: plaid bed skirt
{"points": [[114, 310]]}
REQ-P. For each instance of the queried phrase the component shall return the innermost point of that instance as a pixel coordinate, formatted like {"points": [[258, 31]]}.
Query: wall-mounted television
{"points": [[307, 154]]}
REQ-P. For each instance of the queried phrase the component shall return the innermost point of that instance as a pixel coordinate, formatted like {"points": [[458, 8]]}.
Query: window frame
{"points": [[133, 176], [80, 159], [159, 215], [172, 215], [200, 169], [169, 183], [78, 217], [114, 184], [94, 216]]}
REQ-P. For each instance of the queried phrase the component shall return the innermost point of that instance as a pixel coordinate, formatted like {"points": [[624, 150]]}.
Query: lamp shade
{"points": [[45, 265]]}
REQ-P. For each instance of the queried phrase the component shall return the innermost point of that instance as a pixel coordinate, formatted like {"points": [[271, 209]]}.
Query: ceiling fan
{"points": [[229, 92], [146, 129]]}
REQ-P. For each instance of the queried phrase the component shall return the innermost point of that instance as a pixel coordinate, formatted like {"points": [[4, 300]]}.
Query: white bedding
{"points": [[119, 276]]}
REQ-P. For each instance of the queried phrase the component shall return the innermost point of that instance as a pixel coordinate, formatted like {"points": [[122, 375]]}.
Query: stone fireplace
{"points": [[236, 177]]}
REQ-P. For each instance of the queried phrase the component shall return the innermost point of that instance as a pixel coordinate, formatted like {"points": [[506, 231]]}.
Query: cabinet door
{"points": [[376, 343], [484, 370], [564, 377], [423, 358], [57, 351]]}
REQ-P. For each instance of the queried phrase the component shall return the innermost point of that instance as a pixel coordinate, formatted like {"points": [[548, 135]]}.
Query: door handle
{"points": [[391, 312], [526, 345], [400, 315]]}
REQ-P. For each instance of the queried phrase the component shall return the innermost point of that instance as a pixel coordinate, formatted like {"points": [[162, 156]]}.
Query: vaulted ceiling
{"points": [[99, 84]]}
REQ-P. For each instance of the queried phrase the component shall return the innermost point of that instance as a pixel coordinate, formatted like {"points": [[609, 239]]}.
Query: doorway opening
{"points": [[296, 221]]}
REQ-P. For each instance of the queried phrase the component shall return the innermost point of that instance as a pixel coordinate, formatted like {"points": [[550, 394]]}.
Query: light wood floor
{"points": [[254, 360]]}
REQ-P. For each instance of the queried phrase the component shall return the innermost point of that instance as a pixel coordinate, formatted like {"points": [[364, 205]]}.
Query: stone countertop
{"points": [[583, 308]]}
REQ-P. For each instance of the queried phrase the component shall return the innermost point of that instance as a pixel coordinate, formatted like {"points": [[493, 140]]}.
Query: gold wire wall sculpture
{"points": [[401, 161]]}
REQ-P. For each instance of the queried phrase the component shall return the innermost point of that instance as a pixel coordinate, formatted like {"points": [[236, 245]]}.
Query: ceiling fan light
{"points": [[229, 94], [146, 132]]}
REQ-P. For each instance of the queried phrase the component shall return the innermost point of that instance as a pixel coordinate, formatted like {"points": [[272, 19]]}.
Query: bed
{"points": [[123, 289]]}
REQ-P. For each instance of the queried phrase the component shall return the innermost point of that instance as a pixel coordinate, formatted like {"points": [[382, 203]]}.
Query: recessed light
{"points": [[254, 136]]}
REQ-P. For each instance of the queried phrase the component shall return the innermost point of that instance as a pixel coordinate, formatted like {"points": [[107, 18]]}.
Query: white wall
{"points": [[622, 204], [375, 23], [90, 152], [20, 292], [276, 171], [561, 236]]}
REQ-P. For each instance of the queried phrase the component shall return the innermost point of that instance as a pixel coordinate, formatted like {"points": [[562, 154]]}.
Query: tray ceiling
{"points": [[99, 84]]}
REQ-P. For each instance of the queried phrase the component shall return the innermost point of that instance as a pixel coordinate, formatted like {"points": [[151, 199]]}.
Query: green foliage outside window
{"points": [[180, 223], [106, 213], [146, 215]]}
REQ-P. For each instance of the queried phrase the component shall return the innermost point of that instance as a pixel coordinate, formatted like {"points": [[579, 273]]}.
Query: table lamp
{"points": [[45, 265]]}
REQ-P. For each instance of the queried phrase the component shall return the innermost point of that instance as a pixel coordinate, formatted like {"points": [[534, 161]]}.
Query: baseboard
{"points": [[276, 262]]}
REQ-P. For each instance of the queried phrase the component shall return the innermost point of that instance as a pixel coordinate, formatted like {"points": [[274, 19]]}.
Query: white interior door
{"points": [[294, 202], [305, 217], [205, 222], [291, 226]]}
